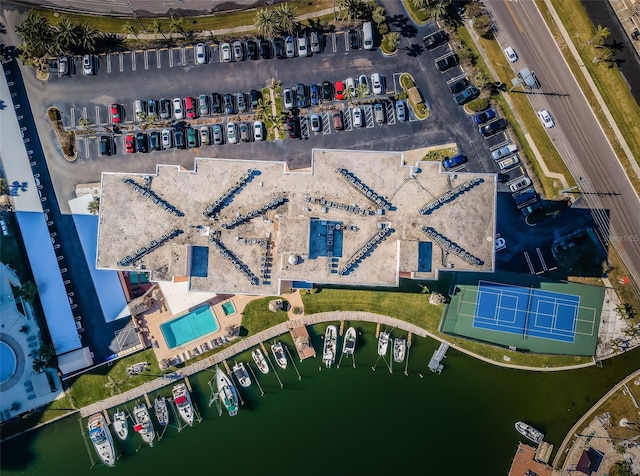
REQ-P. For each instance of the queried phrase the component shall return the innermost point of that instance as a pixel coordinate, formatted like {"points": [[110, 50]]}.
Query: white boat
{"points": [[383, 342], [329, 347], [120, 424], [101, 438], [227, 392], [530, 432], [142, 423], [349, 344], [260, 360], [278, 353], [241, 374], [182, 399], [161, 410], [399, 349]]}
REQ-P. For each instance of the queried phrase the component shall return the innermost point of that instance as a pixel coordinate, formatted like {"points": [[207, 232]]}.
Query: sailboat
{"points": [[227, 392], [329, 347], [349, 344], [120, 424], [278, 354], [101, 438]]}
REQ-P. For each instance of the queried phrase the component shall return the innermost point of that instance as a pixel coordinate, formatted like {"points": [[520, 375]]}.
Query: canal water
{"points": [[346, 420]]}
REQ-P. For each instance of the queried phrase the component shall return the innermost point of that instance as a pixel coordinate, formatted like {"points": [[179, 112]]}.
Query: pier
{"points": [[438, 355]]}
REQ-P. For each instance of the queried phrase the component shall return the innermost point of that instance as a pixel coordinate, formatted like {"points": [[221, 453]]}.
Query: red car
{"points": [[115, 113], [339, 90], [129, 143], [190, 107]]}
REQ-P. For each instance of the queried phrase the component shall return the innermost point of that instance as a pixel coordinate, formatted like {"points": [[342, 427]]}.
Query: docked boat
{"points": [[399, 349], [227, 392], [329, 347], [260, 360], [120, 424], [529, 432], [278, 353], [383, 342], [101, 438], [349, 344], [182, 399], [241, 374], [161, 410], [142, 423]]}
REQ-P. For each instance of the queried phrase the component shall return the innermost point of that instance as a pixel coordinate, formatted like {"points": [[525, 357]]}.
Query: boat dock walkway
{"points": [[438, 355], [243, 345]]}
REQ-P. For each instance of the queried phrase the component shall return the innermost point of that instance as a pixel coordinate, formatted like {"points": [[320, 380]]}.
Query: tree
{"points": [[129, 29], [482, 26], [94, 206], [361, 90], [421, 4], [87, 38], [602, 32], [156, 27], [439, 9], [287, 18], [28, 291], [175, 25], [67, 34], [37, 35], [83, 122], [621, 468], [266, 22], [263, 107], [44, 359], [378, 15], [350, 9], [393, 40]]}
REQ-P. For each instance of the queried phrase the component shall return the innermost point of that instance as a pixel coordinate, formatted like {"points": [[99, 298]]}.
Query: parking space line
{"points": [[73, 117], [333, 41], [158, 56], [146, 59], [391, 112], [346, 42], [171, 57], [84, 112], [347, 120], [304, 126], [526, 256], [98, 116], [368, 116], [183, 55], [195, 55], [396, 76], [326, 123], [121, 61], [133, 60], [108, 58]]}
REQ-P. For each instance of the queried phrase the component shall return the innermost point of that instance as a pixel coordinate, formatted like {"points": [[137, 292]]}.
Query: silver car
{"points": [[216, 129], [316, 123], [232, 133], [225, 53], [167, 139], [356, 113], [238, 51], [401, 111]]}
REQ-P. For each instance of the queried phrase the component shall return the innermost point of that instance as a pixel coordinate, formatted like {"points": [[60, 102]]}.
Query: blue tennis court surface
{"points": [[526, 311]]}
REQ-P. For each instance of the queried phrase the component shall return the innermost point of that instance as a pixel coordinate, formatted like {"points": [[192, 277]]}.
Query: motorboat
{"points": [[399, 349], [227, 392], [530, 432], [349, 344], [329, 347], [161, 410], [182, 399], [142, 423], [278, 353], [120, 425], [383, 342], [241, 374], [260, 360], [100, 436]]}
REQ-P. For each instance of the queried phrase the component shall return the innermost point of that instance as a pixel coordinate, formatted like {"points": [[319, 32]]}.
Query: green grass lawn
{"points": [[419, 17], [257, 317]]}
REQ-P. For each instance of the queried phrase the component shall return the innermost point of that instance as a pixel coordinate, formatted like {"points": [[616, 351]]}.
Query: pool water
{"points": [[228, 308], [7, 362], [188, 327]]}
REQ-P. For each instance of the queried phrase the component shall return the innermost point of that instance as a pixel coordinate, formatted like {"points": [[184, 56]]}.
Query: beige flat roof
{"points": [[325, 221]]}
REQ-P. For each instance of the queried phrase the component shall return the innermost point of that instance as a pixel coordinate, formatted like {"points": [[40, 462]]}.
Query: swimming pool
{"points": [[228, 308], [190, 326], [8, 362]]}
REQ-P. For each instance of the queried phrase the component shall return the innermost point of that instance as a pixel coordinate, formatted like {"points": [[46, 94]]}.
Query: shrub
{"points": [[479, 104], [474, 9], [483, 27]]}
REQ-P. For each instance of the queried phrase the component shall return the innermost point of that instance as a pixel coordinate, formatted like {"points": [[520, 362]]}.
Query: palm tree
{"points": [[28, 291], [361, 90], [601, 33], [175, 25], [350, 9], [156, 27], [420, 4], [266, 22], [94, 206], [263, 107], [87, 37], [66, 35], [393, 40], [439, 9], [287, 18], [36, 34], [378, 15], [130, 30]]}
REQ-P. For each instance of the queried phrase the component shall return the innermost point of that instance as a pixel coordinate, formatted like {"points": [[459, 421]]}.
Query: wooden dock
{"points": [[302, 341], [341, 328], [378, 330], [247, 344], [146, 399]]}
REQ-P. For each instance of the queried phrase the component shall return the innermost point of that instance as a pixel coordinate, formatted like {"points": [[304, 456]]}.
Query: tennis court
{"points": [[525, 312]]}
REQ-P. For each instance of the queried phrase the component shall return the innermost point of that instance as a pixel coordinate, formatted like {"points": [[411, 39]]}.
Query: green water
{"points": [[357, 421]]}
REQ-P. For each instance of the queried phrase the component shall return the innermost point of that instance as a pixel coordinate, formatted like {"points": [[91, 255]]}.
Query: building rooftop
{"points": [[246, 227]]}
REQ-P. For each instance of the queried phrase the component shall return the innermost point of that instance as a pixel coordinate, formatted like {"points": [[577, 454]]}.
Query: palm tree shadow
{"points": [[401, 23], [615, 45], [414, 50]]}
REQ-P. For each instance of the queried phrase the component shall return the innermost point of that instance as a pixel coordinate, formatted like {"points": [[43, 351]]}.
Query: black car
{"points": [[435, 39], [459, 85], [254, 97], [354, 39], [165, 108], [252, 50], [301, 95], [141, 142], [178, 138], [278, 48], [264, 49], [447, 62], [493, 127], [327, 91], [152, 108], [229, 104], [154, 141], [105, 145], [216, 103], [466, 95]]}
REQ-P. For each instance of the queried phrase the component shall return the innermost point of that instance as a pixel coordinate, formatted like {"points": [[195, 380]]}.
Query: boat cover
{"points": [[137, 428], [181, 399]]}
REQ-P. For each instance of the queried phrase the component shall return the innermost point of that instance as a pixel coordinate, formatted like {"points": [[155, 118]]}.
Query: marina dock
{"points": [[438, 355], [302, 341]]}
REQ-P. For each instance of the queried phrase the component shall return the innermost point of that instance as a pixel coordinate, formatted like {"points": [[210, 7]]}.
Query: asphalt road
{"points": [[577, 135]]}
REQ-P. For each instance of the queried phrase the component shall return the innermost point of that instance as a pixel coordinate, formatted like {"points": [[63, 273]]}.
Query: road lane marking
{"points": [[516, 20]]}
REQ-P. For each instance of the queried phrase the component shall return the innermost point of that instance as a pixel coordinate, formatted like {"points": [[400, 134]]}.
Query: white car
{"points": [[350, 84], [167, 139], [87, 65], [511, 54], [204, 135], [401, 111], [238, 51], [232, 134], [356, 113], [546, 118], [519, 184], [225, 53], [303, 46], [363, 81], [287, 98], [376, 83], [316, 123], [201, 55], [258, 130], [503, 151], [501, 244], [177, 108]]}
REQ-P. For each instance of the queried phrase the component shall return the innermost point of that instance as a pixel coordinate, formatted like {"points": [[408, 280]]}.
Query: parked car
{"points": [[377, 83], [484, 116], [493, 127], [459, 85], [192, 138], [244, 132], [519, 183], [327, 91], [301, 95], [201, 54], [435, 39], [264, 49], [154, 140], [203, 104], [254, 98], [105, 145], [229, 105], [378, 112], [167, 139], [238, 51], [204, 135], [292, 127], [63, 65], [509, 162], [339, 89], [289, 47], [545, 117], [226, 56], [138, 108], [466, 95], [232, 134], [88, 65], [178, 138], [241, 102], [216, 103], [152, 108], [287, 99], [252, 50], [278, 48], [354, 39], [503, 151], [218, 138], [190, 107], [141, 142], [115, 113], [363, 82], [453, 162], [350, 85], [401, 111], [314, 94], [129, 144], [258, 130], [303, 46], [447, 62], [357, 116], [510, 54], [316, 124], [336, 117], [165, 109], [177, 109], [314, 39]]}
